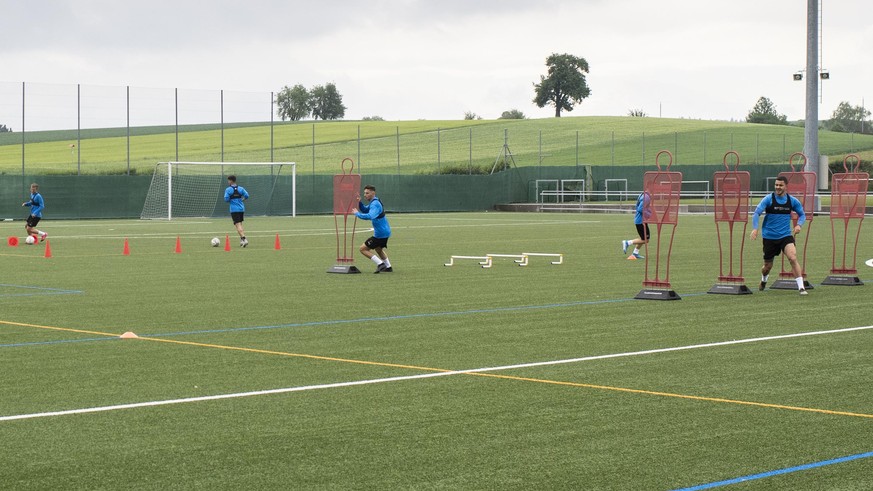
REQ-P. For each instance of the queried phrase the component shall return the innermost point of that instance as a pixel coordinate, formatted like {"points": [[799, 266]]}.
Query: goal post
{"points": [[196, 189]]}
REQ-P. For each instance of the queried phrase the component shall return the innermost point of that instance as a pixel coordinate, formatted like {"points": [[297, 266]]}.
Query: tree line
{"points": [[845, 118]]}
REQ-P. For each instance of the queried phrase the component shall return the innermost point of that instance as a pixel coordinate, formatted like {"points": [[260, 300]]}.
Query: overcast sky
{"points": [[421, 59]]}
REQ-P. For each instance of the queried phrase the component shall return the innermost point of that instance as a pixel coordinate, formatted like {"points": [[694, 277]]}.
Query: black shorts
{"points": [[237, 216], [643, 228], [774, 247], [374, 243], [32, 221]]}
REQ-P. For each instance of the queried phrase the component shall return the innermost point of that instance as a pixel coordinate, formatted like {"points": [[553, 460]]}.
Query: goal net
{"points": [[196, 189]]}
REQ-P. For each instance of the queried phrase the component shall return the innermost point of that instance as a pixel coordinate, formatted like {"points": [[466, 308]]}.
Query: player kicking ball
{"points": [[36, 205], [374, 247]]}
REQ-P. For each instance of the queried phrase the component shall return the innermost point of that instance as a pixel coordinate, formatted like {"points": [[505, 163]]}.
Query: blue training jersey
{"points": [[777, 220], [643, 202], [36, 204], [375, 212], [235, 196]]}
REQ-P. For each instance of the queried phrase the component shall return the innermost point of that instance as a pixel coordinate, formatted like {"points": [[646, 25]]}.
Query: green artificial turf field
{"points": [[254, 368]]}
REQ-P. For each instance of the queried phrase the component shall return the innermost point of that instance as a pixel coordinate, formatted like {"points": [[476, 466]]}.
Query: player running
{"points": [[777, 232], [381, 230], [36, 204]]}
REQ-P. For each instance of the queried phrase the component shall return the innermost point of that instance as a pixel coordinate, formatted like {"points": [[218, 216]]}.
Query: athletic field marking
{"points": [[35, 290], [779, 472], [436, 372]]}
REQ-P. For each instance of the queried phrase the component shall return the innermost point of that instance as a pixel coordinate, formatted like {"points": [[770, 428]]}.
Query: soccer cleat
{"points": [[803, 291], [762, 286], [389, 269], [624, 245], [43, 236], [380, 268], [243, 242], [638, 255]]}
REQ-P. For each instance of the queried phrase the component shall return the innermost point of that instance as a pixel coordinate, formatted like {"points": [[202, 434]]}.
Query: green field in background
{"points": [[410, 147]]}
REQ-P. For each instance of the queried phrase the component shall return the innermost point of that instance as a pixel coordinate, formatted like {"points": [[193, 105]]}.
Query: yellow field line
{"points": [[679, 396], [54, 328], [478, 374], [297, 355]]}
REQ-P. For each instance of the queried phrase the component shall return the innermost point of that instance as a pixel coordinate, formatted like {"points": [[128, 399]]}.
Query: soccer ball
{"points": [[216, 242], [30, 240]]}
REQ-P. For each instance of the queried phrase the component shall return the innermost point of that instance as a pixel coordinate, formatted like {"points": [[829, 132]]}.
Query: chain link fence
{"points": [[106, 130]]}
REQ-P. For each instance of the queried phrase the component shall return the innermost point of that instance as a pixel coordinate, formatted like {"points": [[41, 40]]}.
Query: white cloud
{"points": [[415, 59]]}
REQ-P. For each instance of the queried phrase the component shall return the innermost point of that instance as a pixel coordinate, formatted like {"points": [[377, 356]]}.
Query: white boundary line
{"points": [[424, 375]]}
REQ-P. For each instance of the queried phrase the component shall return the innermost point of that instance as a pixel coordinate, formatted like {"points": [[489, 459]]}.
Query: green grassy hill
{"points": [[410, 147]]}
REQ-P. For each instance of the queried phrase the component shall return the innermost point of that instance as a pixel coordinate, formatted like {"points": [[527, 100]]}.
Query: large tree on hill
{"points": [[565, 85], [327, 103], [850, 119], [764, 112], [293, 103]]}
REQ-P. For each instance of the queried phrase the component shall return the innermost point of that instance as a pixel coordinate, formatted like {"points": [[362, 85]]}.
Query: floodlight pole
{"points": [[810, 142]]}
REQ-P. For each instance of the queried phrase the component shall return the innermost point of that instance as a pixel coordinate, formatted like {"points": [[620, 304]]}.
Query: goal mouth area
{"points": [[183, 189]]}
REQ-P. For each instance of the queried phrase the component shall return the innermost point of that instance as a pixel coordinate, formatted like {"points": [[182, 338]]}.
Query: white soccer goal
{"points": [[196, 189]]}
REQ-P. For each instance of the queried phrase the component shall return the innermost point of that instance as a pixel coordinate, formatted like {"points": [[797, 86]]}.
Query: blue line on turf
{"points": [[57, 341], [36, 290], [779, 472], [370, 319], [339, 321]]}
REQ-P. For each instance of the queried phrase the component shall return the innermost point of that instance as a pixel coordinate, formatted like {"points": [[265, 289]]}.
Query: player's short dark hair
{"points": [[370, 187], [783, 179], [231, 178]]}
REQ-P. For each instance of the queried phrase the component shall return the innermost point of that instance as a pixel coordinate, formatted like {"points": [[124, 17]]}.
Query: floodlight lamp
{"points": [[798, 77], [824, 75]]}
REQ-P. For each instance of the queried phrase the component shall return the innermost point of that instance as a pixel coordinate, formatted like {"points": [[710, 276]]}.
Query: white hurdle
{"points": [[520, 259], [542, 254], [484, 261]]}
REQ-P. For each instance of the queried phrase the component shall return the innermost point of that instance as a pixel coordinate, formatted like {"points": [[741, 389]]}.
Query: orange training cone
{"points": [[178, 246], [227, 243], [128, 335], [48, 248], [126, 250], [278, 244]]}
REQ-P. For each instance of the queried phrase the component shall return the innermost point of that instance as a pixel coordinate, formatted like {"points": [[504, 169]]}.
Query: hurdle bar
{"points": [[484, 261], [542, 254], [520, 259]]}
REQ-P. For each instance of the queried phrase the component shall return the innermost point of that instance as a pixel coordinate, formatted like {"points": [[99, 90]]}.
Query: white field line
{"points": [[424, 375]]}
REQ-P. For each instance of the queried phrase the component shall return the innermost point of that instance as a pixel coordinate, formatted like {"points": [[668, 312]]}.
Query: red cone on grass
{"points": [[227, 243], [12, 241], [48, 248], [126, 250], [178, 246], [278, 245]]}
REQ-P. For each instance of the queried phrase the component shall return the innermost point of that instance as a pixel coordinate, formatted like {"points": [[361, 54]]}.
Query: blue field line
{"points": [[340, 321], [57, 341], [779, 472], [36, 290], [393, 317]]}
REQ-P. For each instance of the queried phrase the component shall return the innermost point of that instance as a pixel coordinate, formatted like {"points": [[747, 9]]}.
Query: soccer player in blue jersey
{"points": [[777, 232], [642, 209], [374, 247], [36, 205], [236, 195]]}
